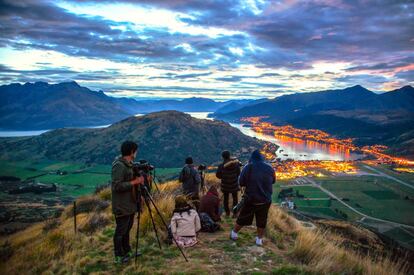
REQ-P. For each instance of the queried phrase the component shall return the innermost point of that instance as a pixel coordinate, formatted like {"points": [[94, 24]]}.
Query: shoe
{"points": [[121, 260], [125, 259], [233, 235], [259, 242], [132, 254]]}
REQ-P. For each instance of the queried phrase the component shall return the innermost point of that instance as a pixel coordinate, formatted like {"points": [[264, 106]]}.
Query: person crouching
{"points": [[185, 223]]}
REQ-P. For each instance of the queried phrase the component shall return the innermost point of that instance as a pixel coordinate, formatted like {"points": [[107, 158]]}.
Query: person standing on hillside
{"points": [[257, 177], [229, 172], [125, 199], [191, 180]]}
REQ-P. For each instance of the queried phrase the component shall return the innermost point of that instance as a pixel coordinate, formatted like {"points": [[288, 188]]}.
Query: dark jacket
{"points": [[229, 172], [258, 177], [210, 204], [124, 197], [190, 179]]}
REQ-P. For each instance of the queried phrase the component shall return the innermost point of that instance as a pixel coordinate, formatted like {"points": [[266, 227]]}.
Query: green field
{"points": [[79, 180], [374, 196]]}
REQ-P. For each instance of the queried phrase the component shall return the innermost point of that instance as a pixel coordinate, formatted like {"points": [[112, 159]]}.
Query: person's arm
{"points": [[118, 182], [197, 223], [197, 177], [219, 173], [173, 226], [217, 210], [181, 176], [239, 168], [243, 176]]}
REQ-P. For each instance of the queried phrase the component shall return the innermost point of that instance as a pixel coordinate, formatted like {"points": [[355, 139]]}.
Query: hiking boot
{"points": [[121, 260], [132, 254], [233, 235], [259, 242]]}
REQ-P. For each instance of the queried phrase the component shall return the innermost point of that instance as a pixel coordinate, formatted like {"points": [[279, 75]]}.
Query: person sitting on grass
{"points": [[210, 204], [185, 223]]}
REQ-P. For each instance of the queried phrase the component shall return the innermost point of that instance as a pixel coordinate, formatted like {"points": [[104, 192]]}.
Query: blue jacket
{"points": [[257, 177]]}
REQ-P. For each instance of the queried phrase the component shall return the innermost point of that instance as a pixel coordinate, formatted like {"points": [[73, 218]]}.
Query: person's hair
{"points": [[128, 147], [181, 205], [189, 160], [225, 154]]}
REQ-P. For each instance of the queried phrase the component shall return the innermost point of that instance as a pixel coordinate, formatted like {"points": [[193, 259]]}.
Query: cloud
{"points": [[229, 47]]}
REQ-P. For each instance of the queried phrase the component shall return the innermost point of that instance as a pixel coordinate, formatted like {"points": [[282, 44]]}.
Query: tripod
{"points": [[148, 199]]}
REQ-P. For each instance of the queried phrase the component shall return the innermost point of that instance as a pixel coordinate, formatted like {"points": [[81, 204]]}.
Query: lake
{"points": [[298, 149]]}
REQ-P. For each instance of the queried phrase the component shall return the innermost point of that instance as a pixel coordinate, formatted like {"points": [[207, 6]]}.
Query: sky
{"points": [[212, 49]]}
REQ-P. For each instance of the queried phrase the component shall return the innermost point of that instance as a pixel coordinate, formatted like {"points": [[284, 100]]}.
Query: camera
{"points": [[142, 168], [202, 167]]}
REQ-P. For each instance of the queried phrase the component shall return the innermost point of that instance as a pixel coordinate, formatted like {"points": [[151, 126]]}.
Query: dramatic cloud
{"points": [[216, 49]]}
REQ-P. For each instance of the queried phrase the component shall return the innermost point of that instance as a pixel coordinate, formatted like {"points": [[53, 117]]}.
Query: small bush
{"points": [[50, 224], [6, 251], [88, 204], [100, 188], [95, 222], [55, 240], [105, 194]]}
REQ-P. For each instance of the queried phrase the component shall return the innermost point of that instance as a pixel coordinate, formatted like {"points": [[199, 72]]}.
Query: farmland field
{"points": [[374, 196]]}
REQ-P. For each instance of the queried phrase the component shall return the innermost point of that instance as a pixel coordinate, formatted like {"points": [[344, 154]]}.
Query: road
{"points": [[332, 195], [388, 176]]}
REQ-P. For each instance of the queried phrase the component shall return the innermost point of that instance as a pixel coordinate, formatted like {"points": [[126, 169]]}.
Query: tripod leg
{"points": [[154, 177], [137, 236], [153, 223], [165, 224]]}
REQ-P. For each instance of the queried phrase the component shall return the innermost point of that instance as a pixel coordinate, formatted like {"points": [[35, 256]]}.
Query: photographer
{"points": [[125, 199], [229, 172], [191, 180], [257, 177]]}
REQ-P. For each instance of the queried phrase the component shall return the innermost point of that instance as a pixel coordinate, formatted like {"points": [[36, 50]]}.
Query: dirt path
{"points": [[217, 253]]}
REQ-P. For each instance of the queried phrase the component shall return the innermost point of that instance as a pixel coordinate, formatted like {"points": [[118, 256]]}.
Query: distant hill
{"points": [[43, 106], [352, 112], [164, 138], [356, 98], [39, 105]]}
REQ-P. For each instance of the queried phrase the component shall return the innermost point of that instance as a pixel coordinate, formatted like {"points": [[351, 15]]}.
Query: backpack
{"points": [[207, 224]]}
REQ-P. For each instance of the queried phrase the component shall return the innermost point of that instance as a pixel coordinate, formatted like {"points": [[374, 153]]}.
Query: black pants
{"points": [[121, 236], [226, 201]]}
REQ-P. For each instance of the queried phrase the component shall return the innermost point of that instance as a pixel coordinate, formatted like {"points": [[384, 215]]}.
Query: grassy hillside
{"points": [[52, 247]]}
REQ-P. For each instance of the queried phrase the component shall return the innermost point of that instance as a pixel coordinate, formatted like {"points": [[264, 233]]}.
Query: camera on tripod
{"points": [[202, 167], [143, 168]]}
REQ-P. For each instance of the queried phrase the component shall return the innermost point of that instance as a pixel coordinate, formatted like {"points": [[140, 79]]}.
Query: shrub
{"points": [[88, 204], [105, 194], [50, 224], [94, 222], [6, 251]]}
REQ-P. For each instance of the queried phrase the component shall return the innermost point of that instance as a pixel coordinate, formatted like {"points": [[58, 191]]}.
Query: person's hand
{"points": [[138, 180]]}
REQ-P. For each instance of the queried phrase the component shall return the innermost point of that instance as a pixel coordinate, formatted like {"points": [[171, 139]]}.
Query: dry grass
{"points": [[322, 255]]}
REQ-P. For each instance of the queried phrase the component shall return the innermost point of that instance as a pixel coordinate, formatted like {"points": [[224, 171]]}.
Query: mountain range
{"points": [[165, 139], [39, 105], [370, 118]]}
